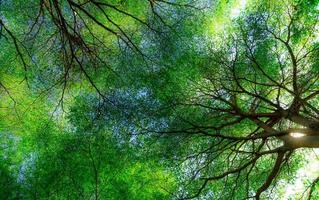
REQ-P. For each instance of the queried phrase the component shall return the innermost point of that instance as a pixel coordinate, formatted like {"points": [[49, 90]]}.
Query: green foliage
{"points": [[111, 99]]}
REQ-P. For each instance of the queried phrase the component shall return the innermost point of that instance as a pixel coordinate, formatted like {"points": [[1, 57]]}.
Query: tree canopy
{"points": [[158, 99]]}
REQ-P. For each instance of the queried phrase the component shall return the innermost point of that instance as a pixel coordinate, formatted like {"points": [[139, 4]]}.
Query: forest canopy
{"points": [[159, 99]]}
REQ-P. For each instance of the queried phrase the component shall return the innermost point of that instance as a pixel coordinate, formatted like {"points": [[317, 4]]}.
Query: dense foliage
{"points": [[158, 99]]}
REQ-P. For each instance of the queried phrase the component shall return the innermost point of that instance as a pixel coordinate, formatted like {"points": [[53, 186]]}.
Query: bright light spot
{"points": [[239, 6], [227, 12], [305, 174], [297, 134]]}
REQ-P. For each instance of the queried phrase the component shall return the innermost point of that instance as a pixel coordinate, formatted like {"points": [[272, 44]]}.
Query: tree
{"points": [[149, 99], [48, 46], [84, 38], [252, 104], [85, 160]]}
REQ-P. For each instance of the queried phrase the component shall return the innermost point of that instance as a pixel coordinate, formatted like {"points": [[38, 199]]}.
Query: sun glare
{"points": [[297, 134], [238, 7]]}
